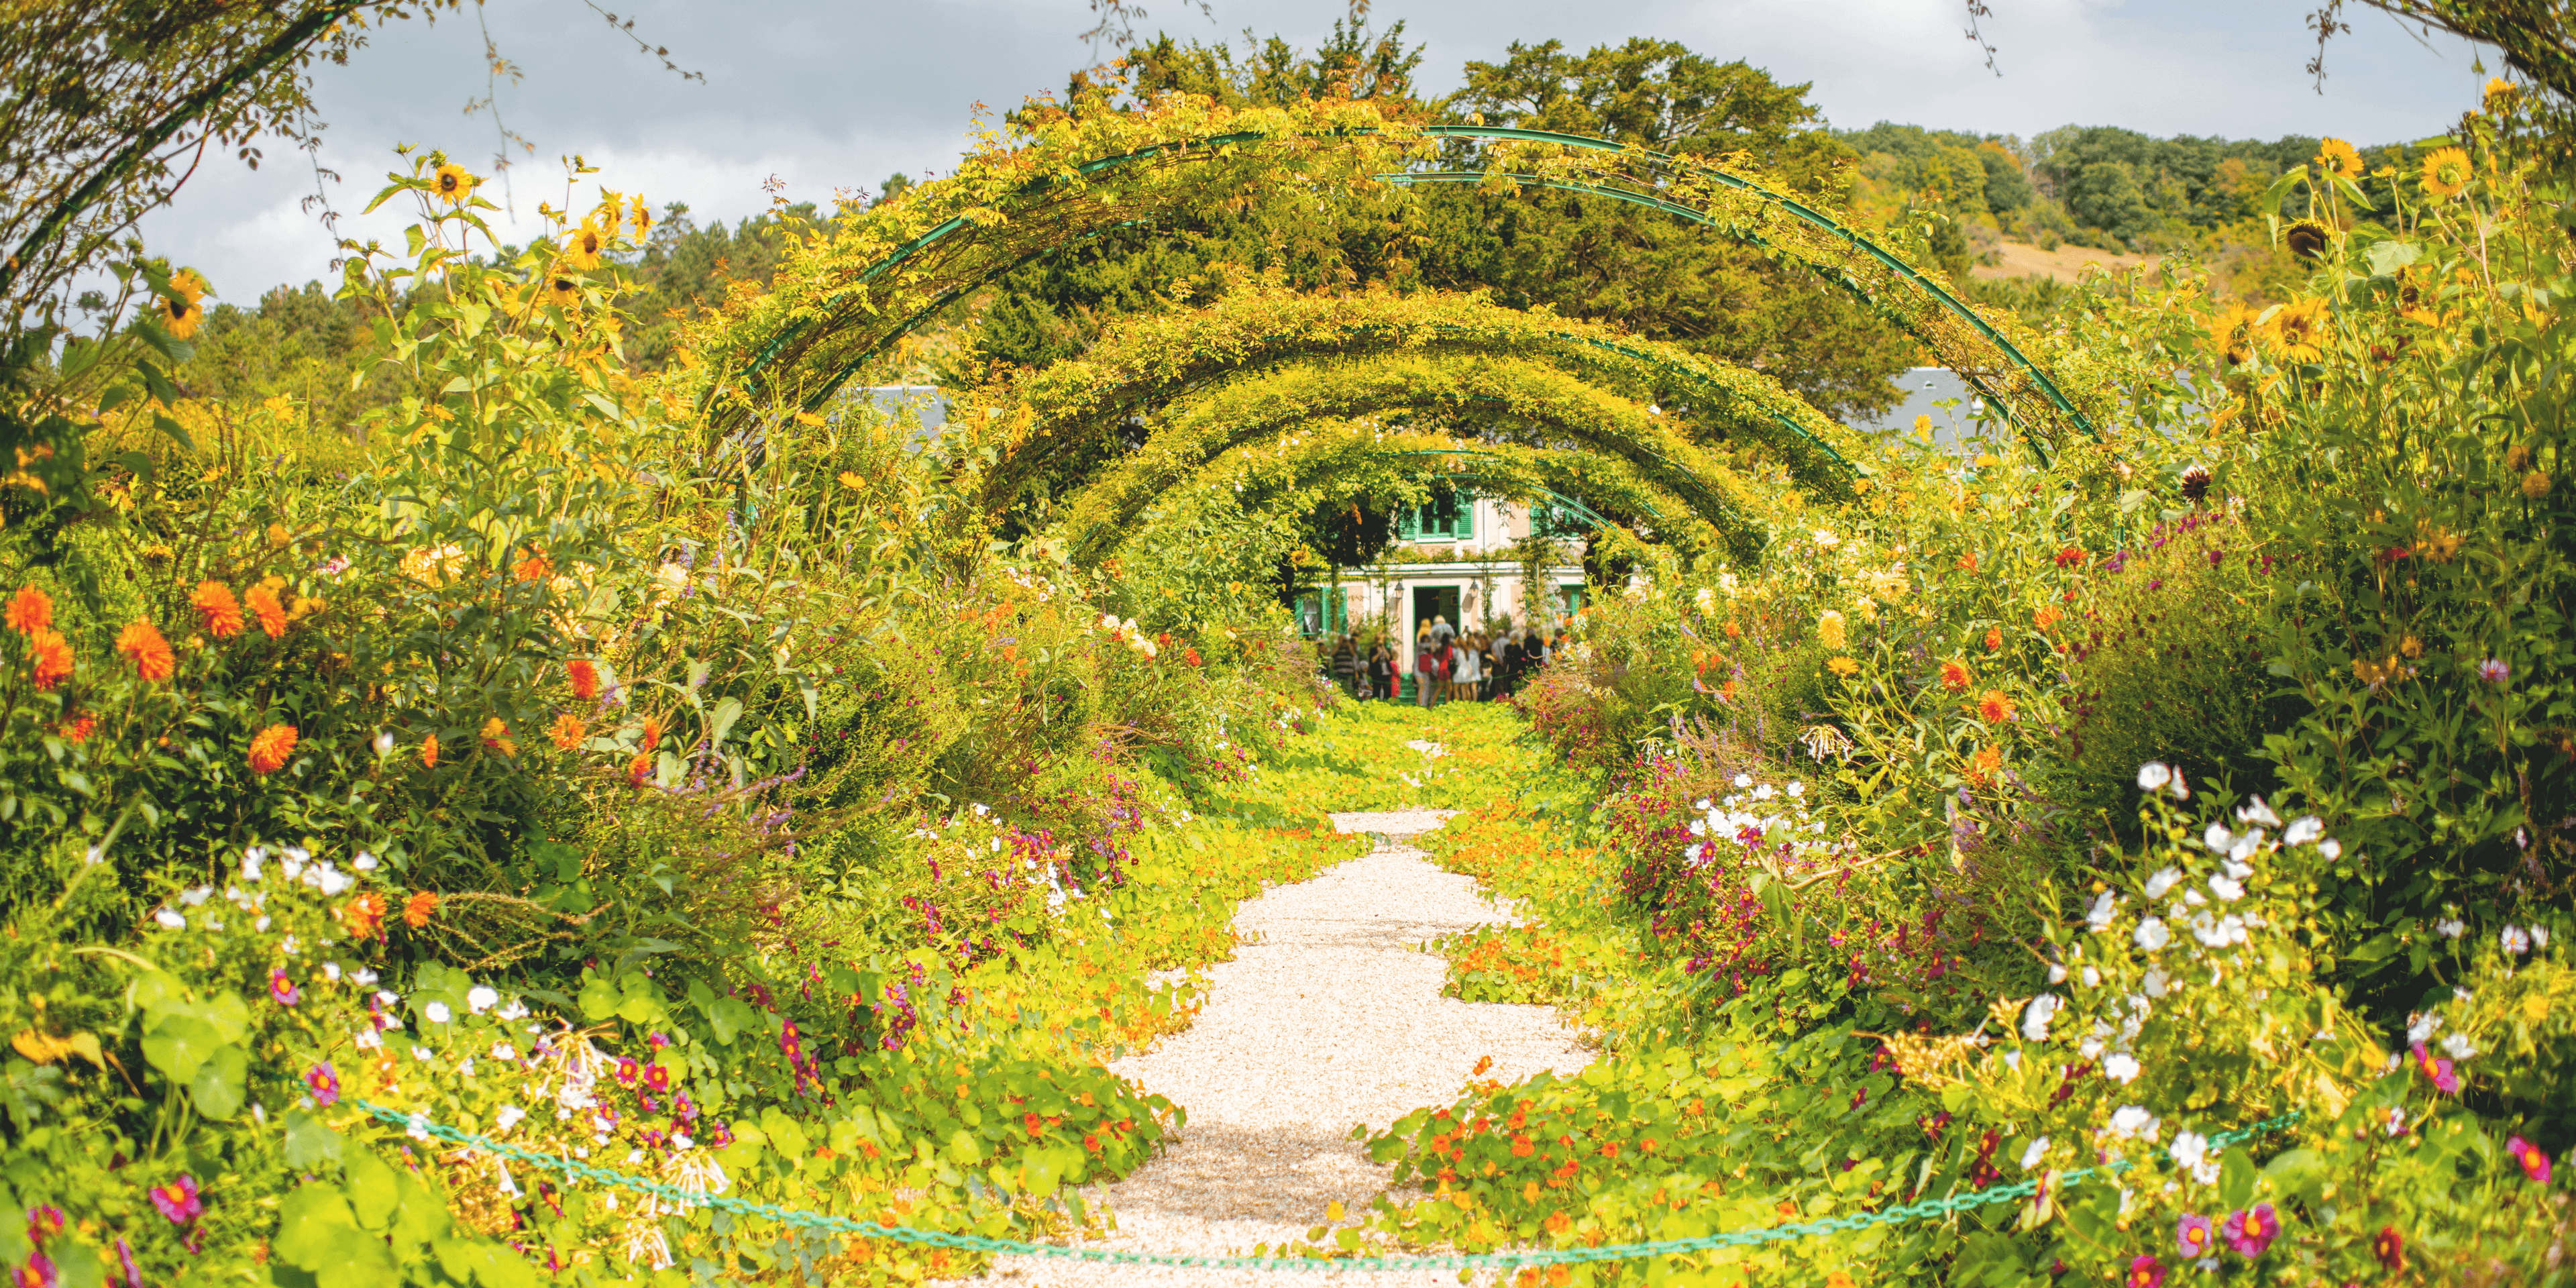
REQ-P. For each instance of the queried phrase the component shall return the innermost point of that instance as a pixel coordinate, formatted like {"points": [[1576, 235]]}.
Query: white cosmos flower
{"points": [[2540, 936], [505, 1053], [507, 1117], [170, 919], [436, 1012], [251, 859], [1797, 790], [2163, 880], [2152, 934], [2153, 775], [2189, 1148], [332, 880], [2121, 1067], [2218, 837], [2030, 1157], [2057, 972], [480, 999], [2092, 978], [2451, 927], [2515, 940], [2226, 890], [2035, 1018], [2256, 811], [2098, 919], [2158, 982], [2459, 1047], [2302, 831], [365, 862], [1744, 780], [2331, 848], [2134, 1122]]}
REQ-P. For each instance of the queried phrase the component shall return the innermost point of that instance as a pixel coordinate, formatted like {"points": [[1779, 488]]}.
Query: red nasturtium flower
{"points": [[585, 679], [262, 602], [417, 911], [142, 642], [30, 610], [270, 747], [53, 657], [1993, 707], [1956, 677], [222, 612]]}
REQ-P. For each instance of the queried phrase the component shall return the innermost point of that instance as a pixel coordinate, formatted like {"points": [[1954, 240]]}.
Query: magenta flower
{"points": [[2145, 1272], [2494, 671], [178, 1200], [281, 990], [2196, 1237], [2535, 1164], [2445, 1079], [324, 1083], [44, 1222], [2250, 1232], [626, 1071], [125, 1259], [39, 1272], [788, 1043]]}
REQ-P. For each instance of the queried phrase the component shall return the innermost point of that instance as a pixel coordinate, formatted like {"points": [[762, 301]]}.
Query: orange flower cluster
{"points": [[1982, 766], [30, 610], [566, 732], [585, 679], [1956, 677], [1994, 639], [533, 568], [263, 603], [78, 729], [222, 613], [1993, 707], [496, 737], [53, 657], [364, 916], [141, 642], [417, 911], [270, 747], [429, 752]]}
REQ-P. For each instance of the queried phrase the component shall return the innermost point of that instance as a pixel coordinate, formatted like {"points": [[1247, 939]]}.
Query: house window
{"points": [[1323, 612], [1446, 516]]}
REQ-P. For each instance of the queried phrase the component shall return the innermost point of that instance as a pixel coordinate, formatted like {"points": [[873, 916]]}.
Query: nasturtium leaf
{"points": [[310, 1223], [76, 1264], [178, 1043], [373, 1194], [217, 1086], [310, 1142], [229, 1015]]}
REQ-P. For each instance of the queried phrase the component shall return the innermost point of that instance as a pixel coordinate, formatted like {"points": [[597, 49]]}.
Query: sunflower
{"points": [[562, 291], [2232, 334], [586, 244], [2498, 96], [453, 183], [178, 311], [2298, 330], [2307, 239], [641, 220], [2340, 160], [2446, 173]]}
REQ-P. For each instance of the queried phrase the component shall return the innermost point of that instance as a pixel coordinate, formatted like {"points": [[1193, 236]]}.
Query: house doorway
{"points": [[1433, 602]]}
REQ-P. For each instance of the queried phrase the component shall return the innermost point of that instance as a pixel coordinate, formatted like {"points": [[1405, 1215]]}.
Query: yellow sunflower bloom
{"points": [[642, 220], [2340, 159], [453, 183], [563, 291], [2307, 239], [2232, 334], [2446, 173], [2298, 331], [587, 241], [2498, 96]]}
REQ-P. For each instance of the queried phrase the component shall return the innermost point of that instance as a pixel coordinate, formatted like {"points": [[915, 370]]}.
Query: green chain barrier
{"points": [[419, 1125]]}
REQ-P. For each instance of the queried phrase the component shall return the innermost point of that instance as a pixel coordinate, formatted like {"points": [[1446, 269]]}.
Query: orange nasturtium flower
{"points": [[270, 747], [566, 732], [263, 604], [53, 658], [364, 916], [222, 612], [417, 911], [533, 568], [1956, 677], [585, 679], [1993, 707], [2047, 617], [30, 610], [496, 737], [141, 641]]}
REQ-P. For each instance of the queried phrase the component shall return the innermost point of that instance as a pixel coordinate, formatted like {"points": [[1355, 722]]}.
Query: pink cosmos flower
{"points": [[324, 1083], [626, 1070], [2535, 1164], [38, 1272], [125, 1261], [2250, 1232], [281, 990], [2444, 1078], [787, 1041], [178, 1200], [44, 1222], [2195, 1237], [657, 1077], [2145, 1272]]}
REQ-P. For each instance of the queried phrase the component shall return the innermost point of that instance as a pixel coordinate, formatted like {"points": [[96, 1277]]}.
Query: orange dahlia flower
{"points": [[416, 912], [222, 612], [1956, 677], [270, 747], [30, 610], [53, 657], [429, 752], [585, 679], [1993, 707], [142, 642], [263, 603], [364, 916], [566, 732]]}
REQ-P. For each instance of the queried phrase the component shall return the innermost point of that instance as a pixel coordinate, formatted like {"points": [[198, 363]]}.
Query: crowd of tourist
{"points": [[1448, 666]]}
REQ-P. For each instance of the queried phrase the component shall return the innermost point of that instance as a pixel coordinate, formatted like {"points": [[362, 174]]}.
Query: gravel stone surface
{"points": [[1329, 1017]]}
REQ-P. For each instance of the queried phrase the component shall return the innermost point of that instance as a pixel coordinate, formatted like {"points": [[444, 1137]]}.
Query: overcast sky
{"points": [[825, 95]]}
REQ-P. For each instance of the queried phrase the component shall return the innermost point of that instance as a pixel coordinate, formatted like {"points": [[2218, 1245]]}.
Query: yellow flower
{"points": [[2307, 239], [496, 737], [2232, 334], [1829, 629], [2298, 330], [642, 220], [2446, 173], [562, 291], [453, 183], [2499, 94], [178, 312], [2340, 159], [1843, 666], [852, 481], [586, 244], [2517, 456]]}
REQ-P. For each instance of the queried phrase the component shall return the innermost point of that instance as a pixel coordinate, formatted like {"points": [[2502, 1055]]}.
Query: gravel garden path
{"points": [[1329, 1016]]}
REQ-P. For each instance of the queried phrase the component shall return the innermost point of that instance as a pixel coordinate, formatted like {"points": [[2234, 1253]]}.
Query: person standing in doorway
{"points": [[1428, 673], [1441, 631]]}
